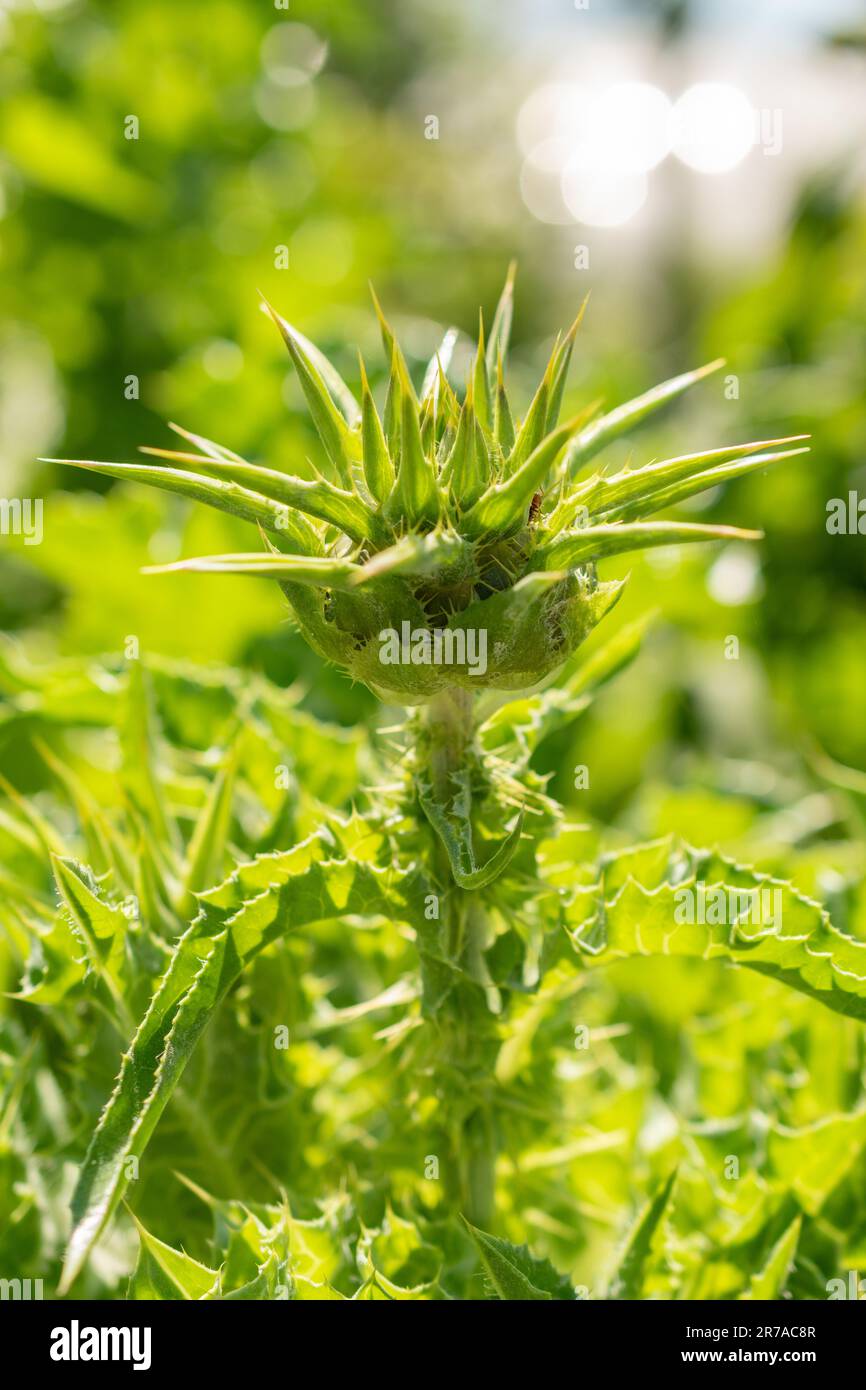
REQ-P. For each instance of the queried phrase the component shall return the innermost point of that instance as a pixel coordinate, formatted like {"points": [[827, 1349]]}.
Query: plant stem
{"points": [[464, 1041]]}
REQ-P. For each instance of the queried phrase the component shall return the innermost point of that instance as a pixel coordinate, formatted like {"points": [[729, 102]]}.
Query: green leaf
{"points": [[503, 507], [628, 1280], [207, 847], [100, 927], [318, 570], [414, 497], [616, 538], [378, 468], [560, 370], [625, 417], [532, 431], [164, 1273], [337, 387], [466, 469], [634, 492], [106, 848], [514, 1273], [438, 366], [811, 1161], [330, 425], [258, 904], [141, 770], [500, 332], [481, 383], [393, 351], [770, 1280], [771, 927], [317, 497], [688, 487], [206, 446], [455, 832], [441, 552], [503, 424], [225, 495]]}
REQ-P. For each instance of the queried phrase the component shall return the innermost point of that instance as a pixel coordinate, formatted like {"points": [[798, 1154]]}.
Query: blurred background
{"points": [[699, 166]]}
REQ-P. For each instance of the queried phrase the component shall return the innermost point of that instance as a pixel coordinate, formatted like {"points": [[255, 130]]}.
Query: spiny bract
{"points": [[449, 516]]}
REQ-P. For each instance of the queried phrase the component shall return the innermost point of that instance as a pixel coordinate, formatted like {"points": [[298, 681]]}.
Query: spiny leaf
{"points": [[393, 351], [767, 925], [316, 496], [258, 904], [332, 428], [323, 571], [164, 1273], [206, 446], [626, 417], [393, 399], [770, 1280], [349, 407], [628, 1280], [415, 496], [465, 471], [504, 505], [227, 496], [560, 371], [633, 487], [500, 332], [514, 1273], [713, 477], [438, 365], [455, 832], [503, 424], [421, 554], [378, 468], [615, 538], [531, 431], [481, 382], [100, 927]]}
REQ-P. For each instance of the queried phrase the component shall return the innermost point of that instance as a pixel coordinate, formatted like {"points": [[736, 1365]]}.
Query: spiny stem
{"points": [[463, 1031]]}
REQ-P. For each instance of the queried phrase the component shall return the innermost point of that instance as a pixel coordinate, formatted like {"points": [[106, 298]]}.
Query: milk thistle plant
{"points": [[446, 553]]}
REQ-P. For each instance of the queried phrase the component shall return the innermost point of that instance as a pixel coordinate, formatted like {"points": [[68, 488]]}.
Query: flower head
{"points": [[449, 524]]}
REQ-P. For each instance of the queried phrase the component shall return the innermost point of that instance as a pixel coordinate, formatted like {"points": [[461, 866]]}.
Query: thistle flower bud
{"points": [[449, 543]]}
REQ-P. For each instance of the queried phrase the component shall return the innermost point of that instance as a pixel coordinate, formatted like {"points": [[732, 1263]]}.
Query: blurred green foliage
{"points": [[120, 257]]}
